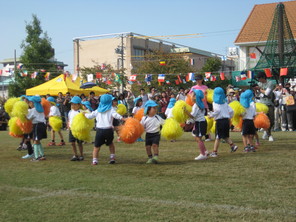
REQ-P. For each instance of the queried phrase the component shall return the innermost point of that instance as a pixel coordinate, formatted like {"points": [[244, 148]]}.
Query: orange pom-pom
{"points": [[15, 135], [139, 114], [262, 121], [25, 126], [240, 124], [46, 106], [189, 99], [131, 130]]}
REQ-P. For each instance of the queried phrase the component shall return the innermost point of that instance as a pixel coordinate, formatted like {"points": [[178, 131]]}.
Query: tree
{"points": [[174, 65], [37, 52], [213, 65]]}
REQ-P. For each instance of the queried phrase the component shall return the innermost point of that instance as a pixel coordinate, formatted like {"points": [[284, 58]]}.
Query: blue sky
{"points": [[219, 20]]}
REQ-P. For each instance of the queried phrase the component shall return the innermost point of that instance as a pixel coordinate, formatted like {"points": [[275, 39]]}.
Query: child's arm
{"points": [[91, 115]]}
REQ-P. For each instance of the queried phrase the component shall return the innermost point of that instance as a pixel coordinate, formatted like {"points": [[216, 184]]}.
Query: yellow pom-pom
{"points": [[131, 130], [210, 122], [238, 111], [260, 107], [121, 109], [178, 111], [20, 110], [171, 129], [210, 95], [8, 106], [81, 127], [139, 114], [56, 123], [213, 129], [14, 129]]}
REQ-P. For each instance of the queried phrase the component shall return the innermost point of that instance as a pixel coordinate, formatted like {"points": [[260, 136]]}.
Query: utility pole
{"points": [[281, 37], [14, 63], [77, 57], [122, 64]]}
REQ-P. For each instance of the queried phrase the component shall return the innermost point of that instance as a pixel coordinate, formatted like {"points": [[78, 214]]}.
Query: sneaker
{"points": [[149, 161], [94, 163], [35, 160], [19, 148], [247, 149], [155, 159], [140, 140], [270, 139], [51, 144], [75, 158], [252, 149], [208, 140], [81, 158], [265, 137], [201, 157], [112, 161], [213, 154], [206, 153], [233, 148], [42, 158], [28, 156], [62, 144]]}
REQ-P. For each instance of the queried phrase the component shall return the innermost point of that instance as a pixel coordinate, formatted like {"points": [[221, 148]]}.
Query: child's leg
{"points": [[251, 140], [148, 151], [96, 155], [216, 145], [73, 144], [201, 145], [52, 135], [80, 146], [233, 147], [61, 136], [36, 149], [29, 146], [112, 153], [245, 142], [155, 149]]}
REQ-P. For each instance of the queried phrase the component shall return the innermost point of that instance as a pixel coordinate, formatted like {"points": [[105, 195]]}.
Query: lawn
{"points": [[237, 186]]}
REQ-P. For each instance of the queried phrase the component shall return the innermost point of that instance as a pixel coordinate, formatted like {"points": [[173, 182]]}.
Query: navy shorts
{"points": [[152, 138], [39, 131], [222, 128], [104, 136], [116, 122], [248, 127], [200, 128], [72, 139]]}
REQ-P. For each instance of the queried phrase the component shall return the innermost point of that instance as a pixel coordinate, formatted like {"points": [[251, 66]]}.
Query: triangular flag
{"points": [[148, 78], [208, 75], [268, 72], [161, 77], [252, 55], [98, 75], [213, 78], [133, 78], [162, 63], [284, 71], [168, 82], [243, 76], [177, 82], [179, 78], [222, 76]]}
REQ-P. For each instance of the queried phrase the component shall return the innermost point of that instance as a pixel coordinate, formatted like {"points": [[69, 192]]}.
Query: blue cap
{"points": [[105, 103], [149, 103], [172, 102], [219, 95], [36, 100], [198, 98], [76, 100], [87, 105], [51, 99], [136, 100], [246, 98]]}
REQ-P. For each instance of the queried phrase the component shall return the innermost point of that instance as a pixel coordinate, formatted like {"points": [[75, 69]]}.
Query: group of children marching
{"points": [[106, 114]]}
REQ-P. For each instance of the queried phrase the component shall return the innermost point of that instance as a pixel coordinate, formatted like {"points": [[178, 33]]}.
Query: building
{"points": [[254, 34], [127, 49]]}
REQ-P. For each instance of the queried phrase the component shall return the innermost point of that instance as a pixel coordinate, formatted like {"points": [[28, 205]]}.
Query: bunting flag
{"points": [[130, 82], [268, 72], [98, 75], [46, 76], [252, 55], [283, 71], [222, 76], [42, 70], [168, 82], [184, 81], [103, 66], [24, 73], [148, 78], [190, 77], [133, 78], [208, 75], [192, 62], [177, 82], [237, 78], [179, 78], [161, 77], [139, 83], [117, 78], [250, 74], [213, 78], [108, 82], [20, 66], [162, 63], [90, 77], [243, 76], [34, 75]]}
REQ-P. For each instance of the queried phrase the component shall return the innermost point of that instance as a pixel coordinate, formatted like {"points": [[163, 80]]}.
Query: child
{"points": [[168, 112], [75, 106], [86, 105], [152, 123], [105, 134], [54, 111], [138, 102], [249, 129], [222, 112], [36, 114], [116, 122], [200, 127]]}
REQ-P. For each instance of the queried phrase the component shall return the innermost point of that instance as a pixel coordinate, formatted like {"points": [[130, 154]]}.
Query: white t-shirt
{"points": [[221, 111], [72, 113], [54, 111], [152, 124], [250, 112], [197, 113], [135, 110], [169, 112], [35, 116], [104, 120]]}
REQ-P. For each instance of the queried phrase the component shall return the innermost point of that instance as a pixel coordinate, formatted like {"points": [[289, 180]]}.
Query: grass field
{"points": [[233, 187]]}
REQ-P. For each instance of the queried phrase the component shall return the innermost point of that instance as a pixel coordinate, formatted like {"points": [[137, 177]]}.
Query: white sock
{"points": [[112, 156], [95, 160]]}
